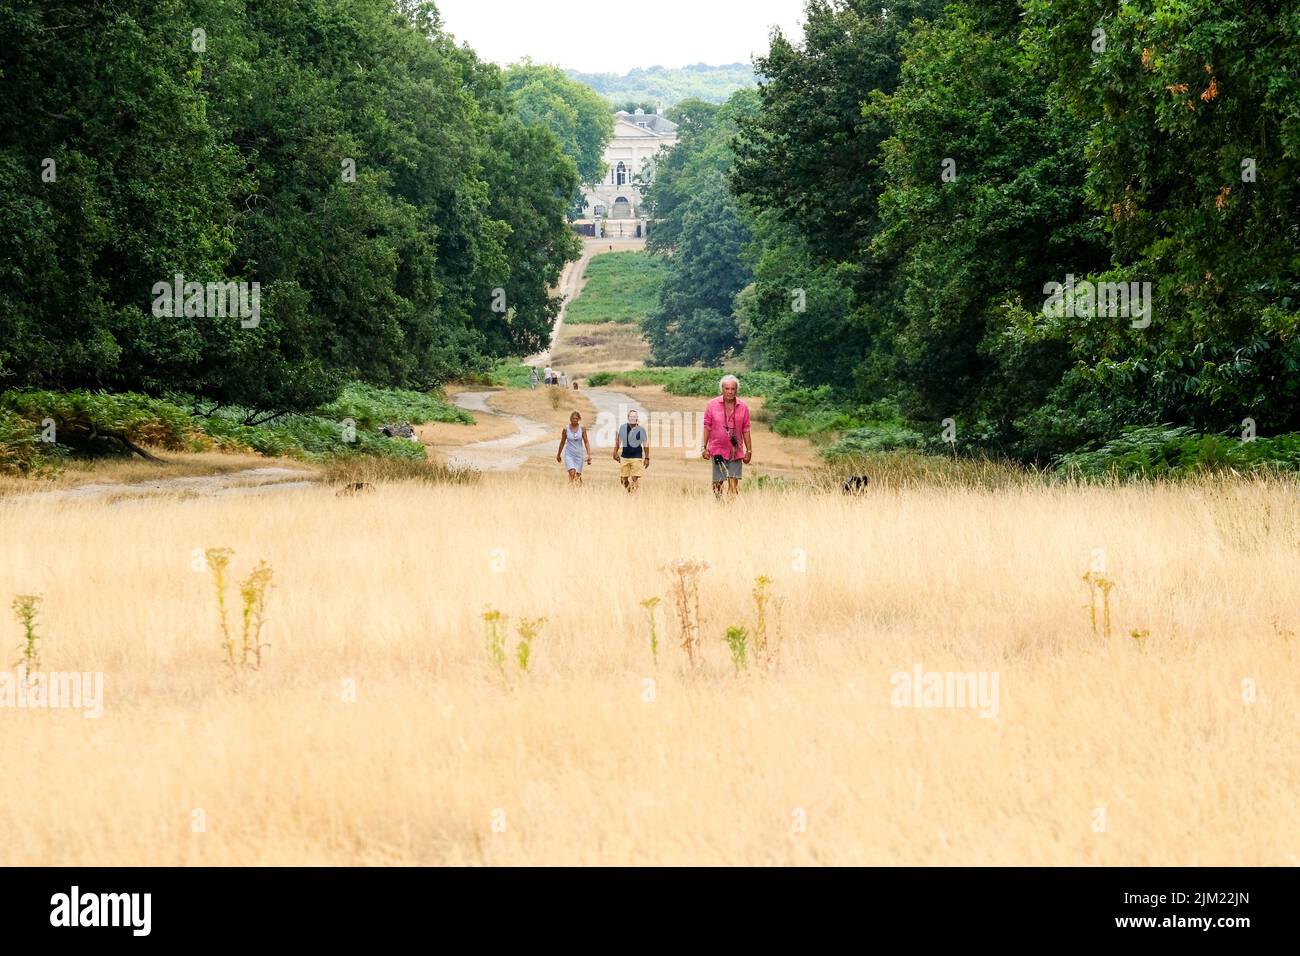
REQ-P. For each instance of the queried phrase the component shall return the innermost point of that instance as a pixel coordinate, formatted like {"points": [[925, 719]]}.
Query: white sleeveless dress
{"points": [[574, 452]]}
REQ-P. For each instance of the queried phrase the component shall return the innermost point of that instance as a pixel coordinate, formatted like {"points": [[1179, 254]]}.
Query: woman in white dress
{"points": [[574, 448]]}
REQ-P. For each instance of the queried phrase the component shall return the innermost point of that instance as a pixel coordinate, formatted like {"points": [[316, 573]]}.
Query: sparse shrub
{"points": [[93, 424], [25, 606], [555, 395], [21, 450], [506, 373], [368, 406], [879, 438], [1168, 451], [371, 471], [694, 382]]}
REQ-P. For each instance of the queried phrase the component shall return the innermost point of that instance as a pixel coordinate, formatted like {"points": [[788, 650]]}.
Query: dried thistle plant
{"points": [[494, 623], [218, 560], [650, 604], [25, 606], [253, 594], [528, 630], [686, 598]]}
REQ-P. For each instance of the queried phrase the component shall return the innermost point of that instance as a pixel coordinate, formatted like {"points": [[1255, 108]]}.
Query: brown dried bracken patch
{"points": [[1177, 88], [1123, 210], [1211, 91], [1221, 200]]}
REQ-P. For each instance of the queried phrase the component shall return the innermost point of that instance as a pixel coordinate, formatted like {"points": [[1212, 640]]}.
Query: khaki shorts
{"points": [[631, 467]]}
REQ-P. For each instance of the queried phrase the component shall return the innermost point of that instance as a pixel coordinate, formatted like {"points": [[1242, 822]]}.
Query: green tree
{"points": [[982, 205], [808, 166], [1190, 115], [694, 321], [580, 118], [112, 178], [530, 180], [347, 155], [704, 231]]}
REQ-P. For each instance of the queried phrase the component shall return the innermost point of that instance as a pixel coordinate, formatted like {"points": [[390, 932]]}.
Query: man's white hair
{"points": [[728, 378]]}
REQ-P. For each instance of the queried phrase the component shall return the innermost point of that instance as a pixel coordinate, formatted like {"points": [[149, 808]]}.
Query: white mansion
{"points": [[637, 138]]}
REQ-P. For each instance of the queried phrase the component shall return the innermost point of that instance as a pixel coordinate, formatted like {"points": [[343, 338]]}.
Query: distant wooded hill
{"points": [[656, 83]]}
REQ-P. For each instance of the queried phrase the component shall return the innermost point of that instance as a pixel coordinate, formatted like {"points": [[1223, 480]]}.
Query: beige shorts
{"points": [[632, 468]]}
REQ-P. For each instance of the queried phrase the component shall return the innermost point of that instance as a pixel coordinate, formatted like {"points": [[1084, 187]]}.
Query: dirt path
{"points": [[498, 454], [673, 423], [250, 481], [531, 438]]}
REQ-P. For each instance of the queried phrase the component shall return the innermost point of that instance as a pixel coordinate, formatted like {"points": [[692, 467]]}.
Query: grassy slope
{"points": [[622, 287]]}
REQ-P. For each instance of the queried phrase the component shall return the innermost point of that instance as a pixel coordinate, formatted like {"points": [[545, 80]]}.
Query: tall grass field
{"points": [[1147, 715]]}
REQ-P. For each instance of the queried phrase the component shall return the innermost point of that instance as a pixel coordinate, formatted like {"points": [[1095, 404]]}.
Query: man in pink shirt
{"points": [[726, 436]]}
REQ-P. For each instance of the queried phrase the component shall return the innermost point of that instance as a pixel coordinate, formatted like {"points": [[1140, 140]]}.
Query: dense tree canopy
{"points": [[400, 210], [1190, 116], [706, 231], [919, 176]]}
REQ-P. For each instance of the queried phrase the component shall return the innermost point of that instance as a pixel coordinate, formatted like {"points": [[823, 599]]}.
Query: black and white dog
{"points": [[855, 484]]}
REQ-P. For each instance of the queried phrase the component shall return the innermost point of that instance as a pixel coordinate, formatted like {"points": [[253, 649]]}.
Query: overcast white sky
{"points": [[600, 36]]}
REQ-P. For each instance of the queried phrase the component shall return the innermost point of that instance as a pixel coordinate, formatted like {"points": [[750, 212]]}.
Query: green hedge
{"points": [[371, 407], [1165, 451], [694, 381]]}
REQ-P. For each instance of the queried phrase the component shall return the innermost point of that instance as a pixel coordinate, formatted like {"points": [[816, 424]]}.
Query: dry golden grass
{"points": [[535, 403], [387, 590], [606, 347]]}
